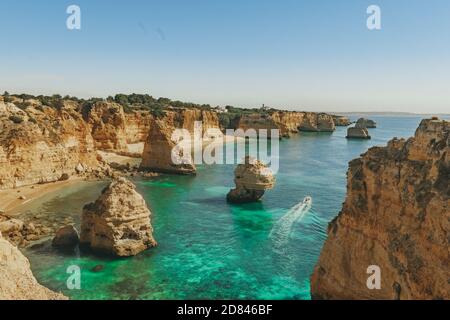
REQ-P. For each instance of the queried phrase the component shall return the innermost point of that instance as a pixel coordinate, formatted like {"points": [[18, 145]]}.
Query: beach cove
{"points": [[207, 247]]}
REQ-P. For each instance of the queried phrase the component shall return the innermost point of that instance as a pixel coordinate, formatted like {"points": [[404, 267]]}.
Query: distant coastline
{"points": [[390, 113]]}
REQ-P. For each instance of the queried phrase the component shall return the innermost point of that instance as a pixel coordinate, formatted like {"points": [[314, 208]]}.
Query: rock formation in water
{"points": [[358, 133], [66, 238], [365, 123], [16, 279], [340, 121], [252, 179], [396, 216], [118, 223]]}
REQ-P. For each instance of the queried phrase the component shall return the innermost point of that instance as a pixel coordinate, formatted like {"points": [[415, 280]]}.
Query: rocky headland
{"points": [[47, 142], [396, 216], [16, 279], [288, 122]]}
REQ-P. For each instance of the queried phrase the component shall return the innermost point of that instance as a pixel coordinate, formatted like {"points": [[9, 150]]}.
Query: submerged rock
{"points": [[118, 223], [16, 279], [252, 179], [358, 133], [396, 216], [66, 238], [98, 268]]}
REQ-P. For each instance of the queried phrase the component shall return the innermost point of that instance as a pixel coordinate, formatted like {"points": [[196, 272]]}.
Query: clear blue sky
{"points": [[299, 54]]}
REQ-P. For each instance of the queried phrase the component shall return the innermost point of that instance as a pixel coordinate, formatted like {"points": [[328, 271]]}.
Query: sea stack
{"points": [[158, 149], [358, 133], [66, 238], [396, 216], [252, 179], [365, 123], [118, 223]]}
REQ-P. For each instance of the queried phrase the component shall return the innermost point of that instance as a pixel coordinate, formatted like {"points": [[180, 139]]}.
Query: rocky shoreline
{"points": [[395, 210], [396, 216], [48, 142]]}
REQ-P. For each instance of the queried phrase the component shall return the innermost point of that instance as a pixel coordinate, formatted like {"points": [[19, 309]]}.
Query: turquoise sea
{"points": [[209, 249]]}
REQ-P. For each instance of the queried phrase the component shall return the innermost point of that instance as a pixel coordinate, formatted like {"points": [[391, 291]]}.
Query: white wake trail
{"points": [[282, 230]]}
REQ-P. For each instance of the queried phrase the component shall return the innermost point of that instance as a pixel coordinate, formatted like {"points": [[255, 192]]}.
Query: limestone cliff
{"points": [[137, 126], [118, 223], [317, 122], [186, 118], [288, 122], [40, 144], [108, 126], [16, 279], [258, 121], [158, 149], [396, 216], [340, 121]]}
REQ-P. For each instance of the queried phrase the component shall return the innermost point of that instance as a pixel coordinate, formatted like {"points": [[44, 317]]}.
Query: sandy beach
{"points": [[11, 202]]}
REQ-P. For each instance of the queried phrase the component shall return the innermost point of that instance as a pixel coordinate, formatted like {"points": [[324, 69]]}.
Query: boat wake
{"points": [[283, 228]]}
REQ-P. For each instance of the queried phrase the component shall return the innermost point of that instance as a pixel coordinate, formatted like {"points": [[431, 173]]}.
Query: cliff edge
{"points": [[16, 280], [396, 216]]}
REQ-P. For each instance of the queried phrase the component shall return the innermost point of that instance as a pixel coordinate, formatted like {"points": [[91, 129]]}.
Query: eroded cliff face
{"points": [[185, 119], [108, 126], [158, 147], [137, 126], [16, 279], [157, 155], [40, 144], [396, 216], [288, 122], [317, 122]]}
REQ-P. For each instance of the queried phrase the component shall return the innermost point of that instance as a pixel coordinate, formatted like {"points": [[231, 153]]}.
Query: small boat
{"points": [[307, 201]]}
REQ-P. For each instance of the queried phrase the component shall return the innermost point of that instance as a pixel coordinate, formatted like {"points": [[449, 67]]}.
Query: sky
{"points": [[315, 55]]}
